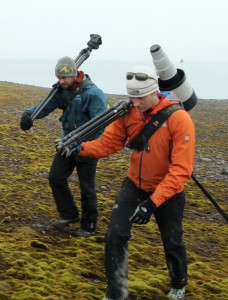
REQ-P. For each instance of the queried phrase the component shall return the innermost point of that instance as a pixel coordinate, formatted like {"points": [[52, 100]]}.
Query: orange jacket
{"points": [[168, 165]]}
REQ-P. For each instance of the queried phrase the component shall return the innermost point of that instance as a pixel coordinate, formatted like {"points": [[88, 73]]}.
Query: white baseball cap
{"points": [[141, 81]]}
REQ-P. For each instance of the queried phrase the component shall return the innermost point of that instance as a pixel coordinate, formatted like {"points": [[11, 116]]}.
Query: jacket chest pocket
{"points": [[69, 117], [76, 113]]}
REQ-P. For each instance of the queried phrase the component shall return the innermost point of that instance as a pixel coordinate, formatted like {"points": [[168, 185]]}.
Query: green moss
{"points": [[213, 287]]}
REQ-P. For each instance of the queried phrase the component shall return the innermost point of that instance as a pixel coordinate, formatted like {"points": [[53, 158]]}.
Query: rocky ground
{"points": [[37, 262]]}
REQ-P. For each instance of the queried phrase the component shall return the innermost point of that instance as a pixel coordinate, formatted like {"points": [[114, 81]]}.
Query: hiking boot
{"points": [[61, 223], [83, 233], [178, 294]]}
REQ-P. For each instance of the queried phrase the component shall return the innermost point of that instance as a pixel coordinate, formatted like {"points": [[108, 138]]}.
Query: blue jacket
{"points": [[90, 103]]}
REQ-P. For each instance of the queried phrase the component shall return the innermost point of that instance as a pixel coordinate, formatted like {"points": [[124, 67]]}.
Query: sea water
{"points": [[208, 79]]}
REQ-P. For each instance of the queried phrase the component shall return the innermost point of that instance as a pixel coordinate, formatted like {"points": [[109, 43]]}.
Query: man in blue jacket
{"points": [[80, 100]]}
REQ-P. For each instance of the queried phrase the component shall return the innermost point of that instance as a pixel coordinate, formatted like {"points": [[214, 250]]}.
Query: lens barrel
{"points": [[171, 79]]}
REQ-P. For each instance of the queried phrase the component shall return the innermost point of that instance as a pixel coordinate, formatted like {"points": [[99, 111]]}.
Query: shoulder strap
{"points": [[77, 91], [84, 84], [140, 141]]}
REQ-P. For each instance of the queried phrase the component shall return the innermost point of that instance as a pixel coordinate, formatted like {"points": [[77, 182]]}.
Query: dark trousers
{"points": [[61, 169], [169, 219]]}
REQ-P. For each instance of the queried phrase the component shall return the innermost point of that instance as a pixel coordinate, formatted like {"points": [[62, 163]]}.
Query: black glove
{"points": [[26, 121], [143, 212]]}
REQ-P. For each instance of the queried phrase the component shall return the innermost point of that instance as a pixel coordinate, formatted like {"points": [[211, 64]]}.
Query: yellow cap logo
{"points": [[65, 70]]}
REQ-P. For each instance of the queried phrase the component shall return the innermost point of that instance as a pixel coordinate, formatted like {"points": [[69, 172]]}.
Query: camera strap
{"points": [[140, 142]]}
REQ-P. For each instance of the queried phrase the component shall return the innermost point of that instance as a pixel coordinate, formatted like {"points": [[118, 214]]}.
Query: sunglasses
{"points": [[138, 76]]}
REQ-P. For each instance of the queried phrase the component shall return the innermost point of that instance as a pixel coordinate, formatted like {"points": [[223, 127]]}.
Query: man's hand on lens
{"points": [[143, 212]]}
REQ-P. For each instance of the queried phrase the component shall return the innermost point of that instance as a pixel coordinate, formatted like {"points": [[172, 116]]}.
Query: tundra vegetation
{"points": [[38, 262]]}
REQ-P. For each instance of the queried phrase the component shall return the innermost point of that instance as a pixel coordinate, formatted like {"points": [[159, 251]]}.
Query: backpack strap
{"points": [[82, 85], [140, 142]]}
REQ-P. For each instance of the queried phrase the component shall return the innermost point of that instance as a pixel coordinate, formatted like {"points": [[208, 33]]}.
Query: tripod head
{"points": [[94, 42]]}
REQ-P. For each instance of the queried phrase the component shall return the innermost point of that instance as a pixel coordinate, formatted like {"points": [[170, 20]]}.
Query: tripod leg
{"points": [[219, 209]]}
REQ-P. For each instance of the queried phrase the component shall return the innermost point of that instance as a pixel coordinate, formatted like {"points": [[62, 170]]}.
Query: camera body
{"points": [[172, 80]]}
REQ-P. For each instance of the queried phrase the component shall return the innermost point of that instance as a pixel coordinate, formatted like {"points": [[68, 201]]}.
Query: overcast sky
{"points": [[188, 29]]}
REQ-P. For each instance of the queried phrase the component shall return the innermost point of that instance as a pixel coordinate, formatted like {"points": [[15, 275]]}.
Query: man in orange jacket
{"points": [[154, 184]]}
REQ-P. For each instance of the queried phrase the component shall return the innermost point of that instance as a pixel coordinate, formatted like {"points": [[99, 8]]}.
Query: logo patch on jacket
{"points": [[187, 138]]}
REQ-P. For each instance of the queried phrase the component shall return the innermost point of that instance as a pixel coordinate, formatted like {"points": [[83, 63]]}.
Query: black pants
{"points": [[60, 170], [169, 219]]}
